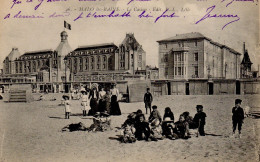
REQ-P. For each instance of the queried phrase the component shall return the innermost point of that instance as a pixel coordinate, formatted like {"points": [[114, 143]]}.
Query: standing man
{"points": [[238, 117], [148, 99]]}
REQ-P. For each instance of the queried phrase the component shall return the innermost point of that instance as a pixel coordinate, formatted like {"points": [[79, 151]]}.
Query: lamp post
{"points": [[65, 62]]}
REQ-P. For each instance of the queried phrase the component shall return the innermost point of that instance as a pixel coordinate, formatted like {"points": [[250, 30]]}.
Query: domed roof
{"points": [[63, 33], [13, 54], [64, 48]]}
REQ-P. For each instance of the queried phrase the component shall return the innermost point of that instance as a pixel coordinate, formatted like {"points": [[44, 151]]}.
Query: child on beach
{"points": [[155, 114], [142, 128], [182, 128], [148, 99], [168, 113], [189, 119], [156, 130], [200, 120], [107, 100], [67, 106], [238, 117], [168, 128], [128, 134], [85, 103]]}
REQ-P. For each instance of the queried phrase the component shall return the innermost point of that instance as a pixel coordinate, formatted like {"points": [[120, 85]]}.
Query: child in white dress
{"points": [[85, 103], [67, 106]]}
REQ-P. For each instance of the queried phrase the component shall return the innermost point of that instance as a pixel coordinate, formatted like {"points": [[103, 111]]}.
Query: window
{"points": [[140, 57], [34, 66], [196, 72], [20, 67], [196, 43], [166, 71], [16, 67], [166, 58], [179, 70], [98, 62], [196, 56], [80, 64], [86, 64], [165, 45]]}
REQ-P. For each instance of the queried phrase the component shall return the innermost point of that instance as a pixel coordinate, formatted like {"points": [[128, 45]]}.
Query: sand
{"points": [[32, 132]]}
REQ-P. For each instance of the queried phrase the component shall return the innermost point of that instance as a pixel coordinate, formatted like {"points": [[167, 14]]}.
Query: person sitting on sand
{"points": [[155, 114], [168, 128], [189, 120], [156, 130], [101, 122], [128, 134], [142, 128], [168, 113], [130, 119], [181, 128], [137, 114]]}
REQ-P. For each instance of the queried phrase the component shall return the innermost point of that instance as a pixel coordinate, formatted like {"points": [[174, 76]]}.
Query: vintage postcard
{"points": [[129, 80]]}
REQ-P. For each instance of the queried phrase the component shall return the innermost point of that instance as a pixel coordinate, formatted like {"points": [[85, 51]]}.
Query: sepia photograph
{"points": [[129, 80]]}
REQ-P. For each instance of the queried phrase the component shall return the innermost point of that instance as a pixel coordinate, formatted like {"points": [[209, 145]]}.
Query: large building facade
{"points": [[53, 69], [192, 55]]}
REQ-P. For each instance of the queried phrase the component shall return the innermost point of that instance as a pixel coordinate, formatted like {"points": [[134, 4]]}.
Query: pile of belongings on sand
{"points": [[101, 122]]}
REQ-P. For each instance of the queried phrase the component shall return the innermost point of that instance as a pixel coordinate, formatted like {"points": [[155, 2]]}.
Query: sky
{"points": [[31, 34]]}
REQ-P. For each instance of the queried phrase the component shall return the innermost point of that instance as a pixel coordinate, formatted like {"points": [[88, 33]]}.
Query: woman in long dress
{"points": [[115, 109], [93, 101], [102, 101]]}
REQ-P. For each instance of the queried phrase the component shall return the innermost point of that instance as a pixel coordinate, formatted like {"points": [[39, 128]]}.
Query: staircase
{"points": [[17, 96]]}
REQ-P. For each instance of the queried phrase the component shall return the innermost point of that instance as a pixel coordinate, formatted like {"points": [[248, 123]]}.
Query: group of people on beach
{"points": [[93, 101], [103, 104], [136, 127]]}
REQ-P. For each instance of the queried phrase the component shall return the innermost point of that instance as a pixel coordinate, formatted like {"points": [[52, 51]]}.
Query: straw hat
{"points": [[167, 119]]}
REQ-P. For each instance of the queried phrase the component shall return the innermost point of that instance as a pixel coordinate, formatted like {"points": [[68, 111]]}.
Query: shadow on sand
{"points": [[55, 117]]}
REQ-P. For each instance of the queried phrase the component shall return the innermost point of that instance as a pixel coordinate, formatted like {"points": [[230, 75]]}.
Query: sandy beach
{"points": [[32, 132]]}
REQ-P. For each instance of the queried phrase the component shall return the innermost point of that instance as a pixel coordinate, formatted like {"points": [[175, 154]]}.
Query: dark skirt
{"points": [[93, 106], [102, 105], [115, 109]]}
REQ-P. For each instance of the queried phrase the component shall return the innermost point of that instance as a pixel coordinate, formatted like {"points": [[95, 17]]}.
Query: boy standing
{"points": [[238, 117], [148, 99], [200, 120]]}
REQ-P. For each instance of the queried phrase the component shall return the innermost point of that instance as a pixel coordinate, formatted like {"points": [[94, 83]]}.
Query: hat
{"points": [[105, 113], [147, 88], [238, 101], [199, 107], [167, 119], [97, 114], [65, 97], [154, 107]]}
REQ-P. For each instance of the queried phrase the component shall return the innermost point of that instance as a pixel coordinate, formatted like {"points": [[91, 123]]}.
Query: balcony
{"points": [[180, 49]]}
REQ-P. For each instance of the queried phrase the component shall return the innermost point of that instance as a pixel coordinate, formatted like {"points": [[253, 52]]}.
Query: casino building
{"points": [[60, 69]]}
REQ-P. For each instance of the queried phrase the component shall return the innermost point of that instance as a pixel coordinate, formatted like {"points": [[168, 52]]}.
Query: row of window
{"points": [[181, 70], [180, 57], [181, 44]]}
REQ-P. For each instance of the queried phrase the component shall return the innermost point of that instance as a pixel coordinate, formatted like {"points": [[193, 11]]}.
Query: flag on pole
{"points": [[67, 25]]}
